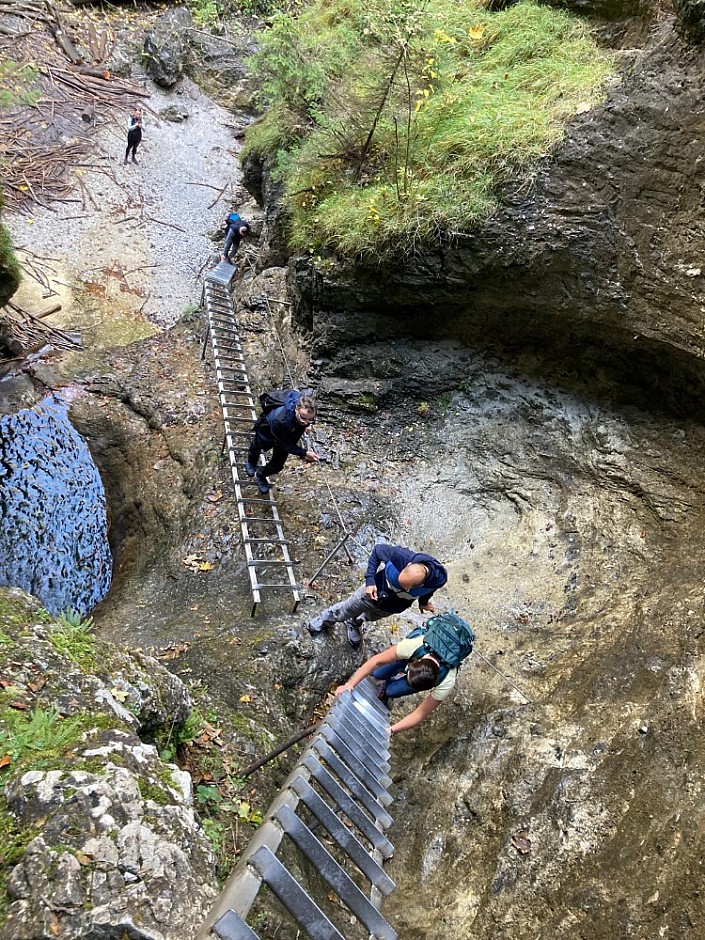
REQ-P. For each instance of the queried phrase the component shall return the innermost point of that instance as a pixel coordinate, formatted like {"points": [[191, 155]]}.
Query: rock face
{"points": [[106, 842], [562, 797], [53, 513], [166, 47], [599, 263]]}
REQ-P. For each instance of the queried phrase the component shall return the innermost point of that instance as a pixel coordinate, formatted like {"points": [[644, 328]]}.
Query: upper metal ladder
{"points": [[341, 786], [260, 523]]}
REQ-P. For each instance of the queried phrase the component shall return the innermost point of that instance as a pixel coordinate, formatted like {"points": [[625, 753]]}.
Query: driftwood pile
{"points": [[68, 100], [56, 69], [25, 334]]}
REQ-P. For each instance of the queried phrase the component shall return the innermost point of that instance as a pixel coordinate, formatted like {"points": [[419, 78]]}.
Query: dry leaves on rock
{"points": [[197, 563]]}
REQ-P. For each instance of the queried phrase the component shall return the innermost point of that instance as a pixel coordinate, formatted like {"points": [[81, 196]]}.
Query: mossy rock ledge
{"points": [[99, 835]]}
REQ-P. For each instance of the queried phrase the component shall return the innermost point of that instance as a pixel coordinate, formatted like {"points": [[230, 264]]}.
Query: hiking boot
{"points": [[262, 483], [354, 635], [314, 629], [249, 469], [134, 160], [124, 162]]}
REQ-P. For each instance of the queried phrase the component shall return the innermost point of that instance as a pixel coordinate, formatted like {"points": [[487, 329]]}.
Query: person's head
{"points": [[412, 576], [244, 230], [137, 114], [305, 410], [422, 674]]}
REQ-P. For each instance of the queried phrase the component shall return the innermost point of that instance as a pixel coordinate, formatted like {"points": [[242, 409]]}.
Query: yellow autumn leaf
{"points": [[476, 32], [205, 566], [245, 698]]}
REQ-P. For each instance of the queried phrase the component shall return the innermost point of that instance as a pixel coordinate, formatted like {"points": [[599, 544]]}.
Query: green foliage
{"points": [[44, 732], [10, 271], [397, 121], [18, 84], [73, 637], [206, 13], [13, 839]]}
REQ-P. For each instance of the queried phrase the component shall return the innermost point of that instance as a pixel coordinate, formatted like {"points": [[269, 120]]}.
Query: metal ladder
{"points": [[341, 781], [260, 522]]}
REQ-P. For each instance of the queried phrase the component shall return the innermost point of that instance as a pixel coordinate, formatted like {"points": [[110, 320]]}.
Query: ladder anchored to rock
{"points": [[333, 809], [266, 547]]}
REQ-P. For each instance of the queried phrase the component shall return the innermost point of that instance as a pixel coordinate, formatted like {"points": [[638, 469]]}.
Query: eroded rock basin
{"points": [[562, 797]]}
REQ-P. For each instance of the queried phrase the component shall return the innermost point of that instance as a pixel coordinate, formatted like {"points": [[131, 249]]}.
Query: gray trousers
{"points": [[354, 606]]}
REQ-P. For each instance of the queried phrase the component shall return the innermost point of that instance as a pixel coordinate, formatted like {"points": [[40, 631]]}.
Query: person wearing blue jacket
{"points": [[280, 430], [395, 578]]}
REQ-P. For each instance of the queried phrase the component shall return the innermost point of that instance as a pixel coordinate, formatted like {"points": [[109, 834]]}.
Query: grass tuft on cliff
{"points": [[394, 122]]}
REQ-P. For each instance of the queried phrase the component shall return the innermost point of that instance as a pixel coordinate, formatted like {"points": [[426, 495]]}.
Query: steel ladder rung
{"points": [[262, 519], [264, 541], [277, 587]]}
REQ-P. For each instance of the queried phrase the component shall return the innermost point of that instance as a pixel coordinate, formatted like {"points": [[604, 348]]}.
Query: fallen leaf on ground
{"points": [[522, 842]]}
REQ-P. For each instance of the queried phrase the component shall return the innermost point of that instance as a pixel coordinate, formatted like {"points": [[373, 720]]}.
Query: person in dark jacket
{"points": [[280, 431], [235, 230], [134, 134], [395, 578]]}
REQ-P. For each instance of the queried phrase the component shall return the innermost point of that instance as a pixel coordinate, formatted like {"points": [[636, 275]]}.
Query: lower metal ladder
{"points": [[341, 782], [266, 548]]}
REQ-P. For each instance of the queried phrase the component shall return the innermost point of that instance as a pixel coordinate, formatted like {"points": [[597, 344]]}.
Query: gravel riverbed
{"points": [[133, 244]]}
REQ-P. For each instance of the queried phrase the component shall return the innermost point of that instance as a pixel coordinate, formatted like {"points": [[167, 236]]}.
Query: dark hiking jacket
{"points": [[390, 596], [281, 429]]}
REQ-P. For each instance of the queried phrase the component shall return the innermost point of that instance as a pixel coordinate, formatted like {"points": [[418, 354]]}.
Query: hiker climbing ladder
{"points": [[269, 563], [333, 811]]}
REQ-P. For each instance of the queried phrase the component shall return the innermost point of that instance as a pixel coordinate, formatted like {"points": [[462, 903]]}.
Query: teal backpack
{"points": [[448, 637]]}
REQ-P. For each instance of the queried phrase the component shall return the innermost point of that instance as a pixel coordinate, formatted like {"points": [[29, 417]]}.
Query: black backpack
{"points": [[448, 637], [272, 399]]}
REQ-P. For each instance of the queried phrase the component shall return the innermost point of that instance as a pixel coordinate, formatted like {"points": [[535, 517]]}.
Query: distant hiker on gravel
{"points": [[428, 658], [285, 417], [236, 229], [395, 578], [134, 134]]}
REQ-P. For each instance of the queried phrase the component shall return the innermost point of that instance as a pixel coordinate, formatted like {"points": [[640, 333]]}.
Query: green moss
{"points": [[13, 840], [10, 271], [151, 791], [16, 614], [394, 123]]}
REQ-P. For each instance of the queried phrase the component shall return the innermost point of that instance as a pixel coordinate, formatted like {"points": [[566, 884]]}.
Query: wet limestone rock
{"points": [[118, 849], [166, 48]]}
